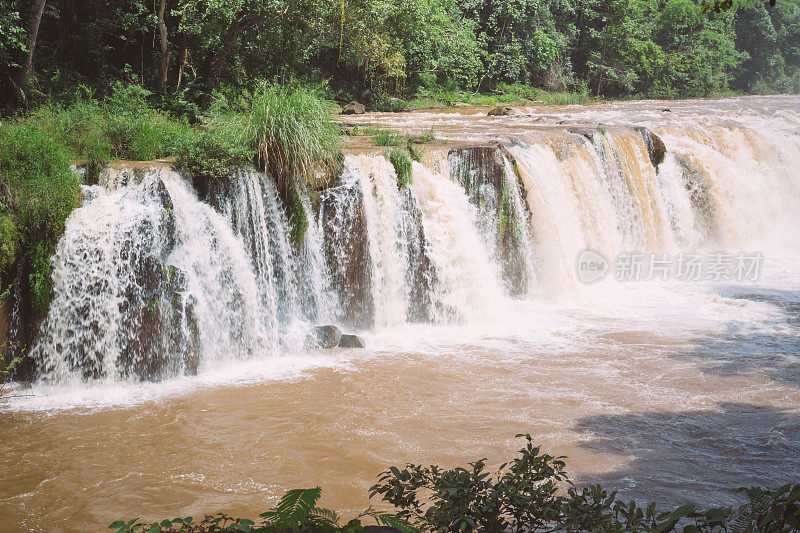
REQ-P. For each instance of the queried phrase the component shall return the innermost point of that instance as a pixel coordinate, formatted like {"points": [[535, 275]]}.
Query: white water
{"points": [[720, 185]]}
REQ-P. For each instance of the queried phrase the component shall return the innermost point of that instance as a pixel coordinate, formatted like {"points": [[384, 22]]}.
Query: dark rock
{"points": [[502, 111], [347, 253], [324, 337], [351, 341], [666, 110], [482, 173], [354, 108], [655, 146]]}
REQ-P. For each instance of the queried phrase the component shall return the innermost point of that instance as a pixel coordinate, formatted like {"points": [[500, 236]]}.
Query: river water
{"points": [[674, 390]]}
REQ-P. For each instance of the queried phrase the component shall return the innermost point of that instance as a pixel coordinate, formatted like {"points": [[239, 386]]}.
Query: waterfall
{"points": [[150, 282], [467, 279], [317, 295], [251, 204]]}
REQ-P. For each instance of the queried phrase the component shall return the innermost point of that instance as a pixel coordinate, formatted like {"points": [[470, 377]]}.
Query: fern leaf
{"points": [[323, 516], [293, 509]]}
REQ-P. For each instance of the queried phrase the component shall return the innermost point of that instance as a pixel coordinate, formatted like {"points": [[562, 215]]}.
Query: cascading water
{"points": [[467, 281], [149, 282]]}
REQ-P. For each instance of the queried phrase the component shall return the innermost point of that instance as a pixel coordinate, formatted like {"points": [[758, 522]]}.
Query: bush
{"points": [[294, 134], [123, 126], [222, 145], [296, 511], [389, 138], [526, 494], [401, 160]]}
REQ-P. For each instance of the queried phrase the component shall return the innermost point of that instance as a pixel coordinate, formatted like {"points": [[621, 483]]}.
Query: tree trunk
{"points": [[239, 25], [37, 9], [162, 32], [16, 82], [182, 58]]}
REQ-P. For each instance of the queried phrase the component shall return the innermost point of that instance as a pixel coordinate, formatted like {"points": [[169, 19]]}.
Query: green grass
{"points": [[39, 191], [220, 146], [294, 134], [401, 160], [505, 94], [390, 138]]}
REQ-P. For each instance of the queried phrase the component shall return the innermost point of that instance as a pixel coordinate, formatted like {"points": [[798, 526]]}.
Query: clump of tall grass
{"points": [[294, 135], [401, 160], [389, 138]]}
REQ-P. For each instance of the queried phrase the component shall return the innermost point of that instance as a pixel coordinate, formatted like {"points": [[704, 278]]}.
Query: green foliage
{"points": [[38, 190], [123, 126], [39, 278], [294, 134], [12, 34], [530, 493], [383, 137], [298, 218], [10, 241], [220, 146], [401, 160], [384, 52], [296, 511], [526, 494]]}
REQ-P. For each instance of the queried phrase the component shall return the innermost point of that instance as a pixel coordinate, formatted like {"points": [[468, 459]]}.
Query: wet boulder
{"points": [[351, 341], [327, 336], [347, 251], [502, 111], [656, 148], [354, 108]]}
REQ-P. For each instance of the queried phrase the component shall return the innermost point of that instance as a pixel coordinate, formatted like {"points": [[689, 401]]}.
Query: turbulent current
{"points": [[621, 281]]}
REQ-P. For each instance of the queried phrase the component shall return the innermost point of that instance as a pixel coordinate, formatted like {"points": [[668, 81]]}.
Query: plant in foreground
{"points": [[296, 511], [526, 494]]}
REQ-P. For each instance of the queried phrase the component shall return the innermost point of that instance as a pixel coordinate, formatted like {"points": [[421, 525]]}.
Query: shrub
{"points": [[296, 511], [294, 134], [401, 160], [222, 145], [389, 138], [526, 494]]}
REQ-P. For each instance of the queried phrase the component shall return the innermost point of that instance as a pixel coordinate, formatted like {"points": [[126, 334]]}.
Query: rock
{"points": [[351, 341], [655, 146], [354, 108], [323, 337], [666, 110], [347, 251], [502, 111]]}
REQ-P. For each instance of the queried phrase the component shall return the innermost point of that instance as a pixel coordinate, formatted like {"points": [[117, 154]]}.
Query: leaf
{"points": [[293, 509], [154, 528], [116, 525], [390, 520]]}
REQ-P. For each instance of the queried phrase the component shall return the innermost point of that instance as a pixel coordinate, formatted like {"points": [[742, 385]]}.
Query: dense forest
{"points": [[186, 52]]}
